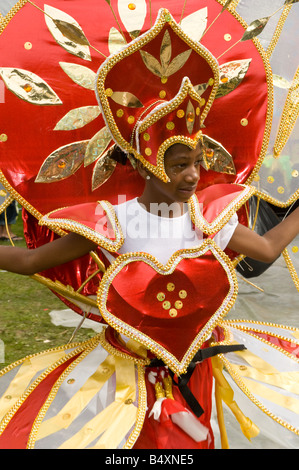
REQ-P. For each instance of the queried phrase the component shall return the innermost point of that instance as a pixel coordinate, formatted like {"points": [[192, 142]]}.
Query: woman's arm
{"points": [[268, 247], [60, 251]]}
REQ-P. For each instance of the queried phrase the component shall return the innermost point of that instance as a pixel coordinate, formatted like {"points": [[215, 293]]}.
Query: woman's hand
{"points": [[268, 247]]}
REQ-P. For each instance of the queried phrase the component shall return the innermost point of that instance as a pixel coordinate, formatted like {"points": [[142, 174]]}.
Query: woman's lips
{"points": [[188, 189]]}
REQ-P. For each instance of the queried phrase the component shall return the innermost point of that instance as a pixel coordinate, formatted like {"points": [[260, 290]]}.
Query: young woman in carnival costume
{"points": [[162, 263]]}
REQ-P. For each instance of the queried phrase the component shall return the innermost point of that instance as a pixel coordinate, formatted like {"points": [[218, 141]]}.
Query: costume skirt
{"points": [[92, 396]]}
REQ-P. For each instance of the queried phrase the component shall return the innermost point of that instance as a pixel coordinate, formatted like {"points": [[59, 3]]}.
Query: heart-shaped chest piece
{"points": [[171, 309]]}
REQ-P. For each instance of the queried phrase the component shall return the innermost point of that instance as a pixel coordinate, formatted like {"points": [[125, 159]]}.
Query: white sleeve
{"points": [[224, 235]]}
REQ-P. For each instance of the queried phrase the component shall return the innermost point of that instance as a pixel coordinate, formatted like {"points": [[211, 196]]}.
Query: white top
{"points": [[162, 236]]}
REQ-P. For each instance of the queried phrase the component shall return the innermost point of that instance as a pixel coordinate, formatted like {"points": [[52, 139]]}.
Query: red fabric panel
{"points": [[16, 433]]}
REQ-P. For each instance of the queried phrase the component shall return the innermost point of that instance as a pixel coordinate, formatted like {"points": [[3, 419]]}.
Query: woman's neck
{"points": [[162, 208]]}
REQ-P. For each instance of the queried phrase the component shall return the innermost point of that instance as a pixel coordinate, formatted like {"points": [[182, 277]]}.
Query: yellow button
{"points": [[166, 305], [178, 304], [170, 126], [161, 296], [182, 294], [3, 138], [109, 92], [170, 287], [173, 312]]}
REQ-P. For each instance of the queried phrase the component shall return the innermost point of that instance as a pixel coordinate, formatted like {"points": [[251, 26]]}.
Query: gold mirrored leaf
{"points": [[81, 75], [62, 163], [152, 63], [177, 63], [77, 118], [165, 51], [134, 34], [255, 28], [97, 145], [290, 2], [195, 24], [216, 157], [29, 87], [115, 41], [125, 98], [281, 82], [67, 32], [102, 171], [200, 89], [132, 14], [71, 32], [231, 75]]}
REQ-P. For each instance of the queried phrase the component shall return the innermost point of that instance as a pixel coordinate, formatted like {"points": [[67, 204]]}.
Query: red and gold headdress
{"points": [[157, 91]]}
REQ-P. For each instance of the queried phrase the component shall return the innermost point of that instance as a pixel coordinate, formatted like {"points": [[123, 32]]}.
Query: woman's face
{"points": [[182, 166]]}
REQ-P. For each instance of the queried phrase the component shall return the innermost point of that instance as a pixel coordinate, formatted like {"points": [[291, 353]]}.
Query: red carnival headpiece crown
{"points": [[157, 91]]}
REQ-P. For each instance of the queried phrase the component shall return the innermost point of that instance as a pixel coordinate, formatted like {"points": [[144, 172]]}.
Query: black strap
{"points": [[183, 380]]}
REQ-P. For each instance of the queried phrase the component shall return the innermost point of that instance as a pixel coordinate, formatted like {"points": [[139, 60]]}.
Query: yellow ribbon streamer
{"points": [[79, 401], [225, 393], [257, 362], [286, 380], [117, 419], [29, 368], [287, 402]]}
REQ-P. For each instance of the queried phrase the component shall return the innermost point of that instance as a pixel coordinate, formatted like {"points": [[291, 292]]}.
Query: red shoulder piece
{"points": [[96, 221], [212, 207]]}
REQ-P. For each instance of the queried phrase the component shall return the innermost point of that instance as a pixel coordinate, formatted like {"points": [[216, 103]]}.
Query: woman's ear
{"points": [[142, 170]]}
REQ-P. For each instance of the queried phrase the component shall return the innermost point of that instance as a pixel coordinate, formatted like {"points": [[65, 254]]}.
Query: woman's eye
{"points": [[179, 166]]}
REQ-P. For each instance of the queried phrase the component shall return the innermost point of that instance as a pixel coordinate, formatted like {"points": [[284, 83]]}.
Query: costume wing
{"points": [[54, 149]]}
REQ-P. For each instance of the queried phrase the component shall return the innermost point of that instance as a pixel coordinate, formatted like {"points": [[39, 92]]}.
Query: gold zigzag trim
{"points": [[289, 116], [4, 20], [278, 30]]}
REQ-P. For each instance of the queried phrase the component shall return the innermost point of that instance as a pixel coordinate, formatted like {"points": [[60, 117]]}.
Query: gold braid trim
{"points": [[4, 20], [278, 29]]}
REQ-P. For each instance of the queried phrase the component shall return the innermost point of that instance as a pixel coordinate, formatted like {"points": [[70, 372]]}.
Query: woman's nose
{"points": [[193, 174]]}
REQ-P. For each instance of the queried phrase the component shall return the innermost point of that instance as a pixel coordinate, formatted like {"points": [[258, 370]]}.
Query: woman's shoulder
{"points": [[96, 221], [212, 207]]}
